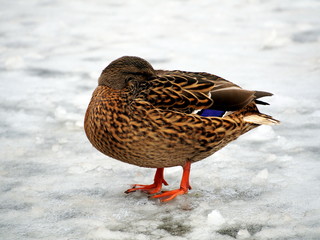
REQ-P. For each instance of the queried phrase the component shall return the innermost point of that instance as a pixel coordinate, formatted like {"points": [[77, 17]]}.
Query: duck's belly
{"points": [[151, 148], [145, 149]]}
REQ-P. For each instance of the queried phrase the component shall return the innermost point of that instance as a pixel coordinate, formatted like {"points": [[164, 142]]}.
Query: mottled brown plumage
{"points": [[149, 118]]}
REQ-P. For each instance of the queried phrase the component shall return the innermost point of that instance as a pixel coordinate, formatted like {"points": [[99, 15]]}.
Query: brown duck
{"points": [[159, 118]]}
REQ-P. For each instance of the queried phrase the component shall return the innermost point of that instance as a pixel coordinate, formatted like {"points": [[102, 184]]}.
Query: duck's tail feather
{"points": [[260, 94], [261, 102], [261, 119]]}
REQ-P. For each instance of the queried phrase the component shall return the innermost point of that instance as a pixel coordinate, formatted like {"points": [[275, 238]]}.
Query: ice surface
{"points": [[54, 185]]}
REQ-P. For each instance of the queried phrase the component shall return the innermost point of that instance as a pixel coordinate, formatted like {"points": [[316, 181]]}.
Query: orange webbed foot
{"points": [[184, 186], [169, 195], [159, 180], [152, 188]]}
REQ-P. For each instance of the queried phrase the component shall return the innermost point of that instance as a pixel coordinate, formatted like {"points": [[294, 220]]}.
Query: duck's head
{"points": [[119, 72]]}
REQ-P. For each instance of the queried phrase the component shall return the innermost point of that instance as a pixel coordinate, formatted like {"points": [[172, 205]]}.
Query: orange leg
{"points": [[152, 188], [184, 186]]}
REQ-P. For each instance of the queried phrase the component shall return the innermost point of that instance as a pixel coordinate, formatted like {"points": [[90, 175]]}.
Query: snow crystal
{"points": [[261, 177], [243, 234], [215, 218]]}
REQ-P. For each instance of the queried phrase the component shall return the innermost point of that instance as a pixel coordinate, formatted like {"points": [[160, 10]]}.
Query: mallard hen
{"points": [[158, 118]]}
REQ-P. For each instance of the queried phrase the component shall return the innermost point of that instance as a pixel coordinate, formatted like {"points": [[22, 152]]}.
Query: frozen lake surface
{"points": [[55, 185]]}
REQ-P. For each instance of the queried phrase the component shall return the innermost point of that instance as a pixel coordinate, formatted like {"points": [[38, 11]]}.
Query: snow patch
{"points": [[215, 218], [261, 177]]}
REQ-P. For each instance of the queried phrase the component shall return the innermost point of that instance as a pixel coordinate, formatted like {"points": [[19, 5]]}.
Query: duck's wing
{"points": [[189, 91]]}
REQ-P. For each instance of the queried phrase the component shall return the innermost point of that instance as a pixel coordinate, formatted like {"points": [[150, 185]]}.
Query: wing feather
{"points": [[188, 91]]}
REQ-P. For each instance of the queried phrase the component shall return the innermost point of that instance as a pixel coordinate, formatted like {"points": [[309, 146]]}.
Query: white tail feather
{"points": [[261, 119]]}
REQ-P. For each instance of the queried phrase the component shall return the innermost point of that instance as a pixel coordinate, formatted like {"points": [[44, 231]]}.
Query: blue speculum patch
{"points": [[211, 113]]}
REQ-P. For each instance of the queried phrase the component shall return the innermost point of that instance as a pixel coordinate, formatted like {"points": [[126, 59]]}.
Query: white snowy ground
{"points": [[55, 185]]}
